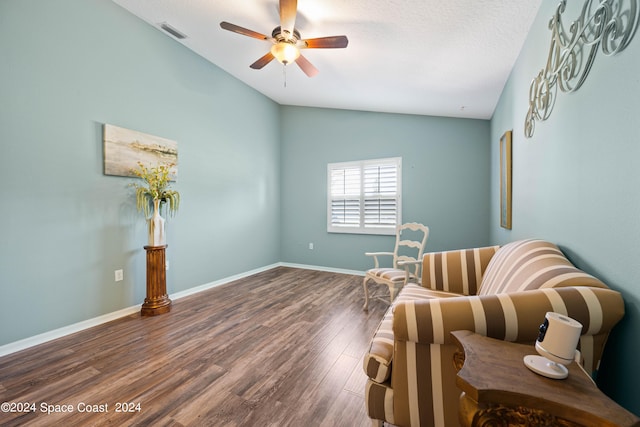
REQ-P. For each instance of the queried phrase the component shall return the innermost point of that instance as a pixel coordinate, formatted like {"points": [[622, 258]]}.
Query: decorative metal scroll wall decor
{"points": [[611, 24]]}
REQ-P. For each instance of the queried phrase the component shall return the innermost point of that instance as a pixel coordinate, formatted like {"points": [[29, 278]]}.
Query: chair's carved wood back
{"points": [[411, 238]]}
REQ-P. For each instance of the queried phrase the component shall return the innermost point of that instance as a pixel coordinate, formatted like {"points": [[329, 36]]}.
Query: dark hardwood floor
{"points": [[280, 348]]}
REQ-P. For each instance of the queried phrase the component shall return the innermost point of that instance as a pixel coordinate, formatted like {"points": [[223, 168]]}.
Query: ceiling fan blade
{"points": [[241, 30], [306, 66], [288, 10], [326, 42], [262, 61]]}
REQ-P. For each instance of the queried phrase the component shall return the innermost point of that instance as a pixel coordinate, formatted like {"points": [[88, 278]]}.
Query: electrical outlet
{"points": [[166, 265], [119, 275], [311, 246]]}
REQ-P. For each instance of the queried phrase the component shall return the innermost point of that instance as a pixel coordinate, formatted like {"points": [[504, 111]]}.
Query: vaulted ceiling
{"points": [[431, 57]]}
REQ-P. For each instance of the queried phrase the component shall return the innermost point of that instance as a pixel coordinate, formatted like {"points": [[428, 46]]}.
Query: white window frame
{"points": [[358, 196]]}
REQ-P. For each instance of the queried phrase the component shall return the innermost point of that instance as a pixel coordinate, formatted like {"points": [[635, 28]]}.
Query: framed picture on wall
{"points": [[505, 180], [124, 148]]}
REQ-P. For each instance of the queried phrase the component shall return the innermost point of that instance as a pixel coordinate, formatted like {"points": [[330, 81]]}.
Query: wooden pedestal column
{"points": [[157, 300]]}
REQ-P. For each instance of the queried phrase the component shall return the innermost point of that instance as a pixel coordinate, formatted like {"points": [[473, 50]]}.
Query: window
{"points": [[365, 196]]}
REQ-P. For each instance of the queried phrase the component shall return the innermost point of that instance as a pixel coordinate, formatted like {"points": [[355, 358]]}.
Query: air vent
{"points": [[175, 33]]}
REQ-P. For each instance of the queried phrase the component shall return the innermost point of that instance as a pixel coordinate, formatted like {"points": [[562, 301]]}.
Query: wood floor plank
{"points": [[280, 348]]}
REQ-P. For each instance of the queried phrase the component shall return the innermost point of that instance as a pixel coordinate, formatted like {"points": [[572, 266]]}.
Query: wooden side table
{"points": [[157, 300], [498, 389]]}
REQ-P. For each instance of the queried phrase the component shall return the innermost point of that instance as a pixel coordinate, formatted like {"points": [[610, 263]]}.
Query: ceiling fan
{"points": [[287, 41]]}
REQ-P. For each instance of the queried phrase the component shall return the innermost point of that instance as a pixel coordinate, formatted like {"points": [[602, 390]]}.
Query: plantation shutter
{"points": [[380, 195], [364, 196], [345, 197]]}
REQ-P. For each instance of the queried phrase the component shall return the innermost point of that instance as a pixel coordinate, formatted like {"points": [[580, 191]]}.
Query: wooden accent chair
{"points": [[411, 239]]}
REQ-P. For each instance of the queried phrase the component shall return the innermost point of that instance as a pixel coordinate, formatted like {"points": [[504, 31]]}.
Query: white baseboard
{"points": [[89, 323], [224, 281], [319, 268], [65, 330]]}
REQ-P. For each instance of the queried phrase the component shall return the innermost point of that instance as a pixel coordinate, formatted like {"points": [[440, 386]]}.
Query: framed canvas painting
{"points": [[505, 180], [124, 148]]}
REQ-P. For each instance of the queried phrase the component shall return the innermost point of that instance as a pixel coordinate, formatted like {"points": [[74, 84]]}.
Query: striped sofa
{"points": [[501, 292]]}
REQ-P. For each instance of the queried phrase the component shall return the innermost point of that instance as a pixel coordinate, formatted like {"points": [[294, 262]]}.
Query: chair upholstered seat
{"points": [[391, 274]]}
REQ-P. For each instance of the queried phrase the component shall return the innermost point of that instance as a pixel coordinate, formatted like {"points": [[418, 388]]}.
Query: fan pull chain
{"points": [[284, 74]]}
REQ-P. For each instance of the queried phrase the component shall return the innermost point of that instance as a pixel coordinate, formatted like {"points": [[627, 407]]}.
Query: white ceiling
{"points": [[431, 57]]}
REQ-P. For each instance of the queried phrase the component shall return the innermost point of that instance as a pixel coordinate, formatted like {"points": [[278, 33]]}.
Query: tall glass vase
{"points": [[156, 226]]}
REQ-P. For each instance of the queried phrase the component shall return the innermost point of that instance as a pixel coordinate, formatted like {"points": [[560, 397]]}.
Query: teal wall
{"points": [[576, 183], [446, 169], [68, 66]]}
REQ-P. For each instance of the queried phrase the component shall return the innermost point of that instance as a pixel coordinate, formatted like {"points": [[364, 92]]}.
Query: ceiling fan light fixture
{"points": [[287, 41], [285, 52]]}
